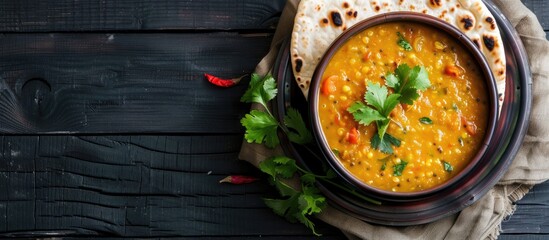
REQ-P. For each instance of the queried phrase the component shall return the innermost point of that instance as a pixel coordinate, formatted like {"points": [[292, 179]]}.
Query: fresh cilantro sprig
{"points": [[299, 204], [296, 205], [405, 82], [261, 90], [402, 42], [262, 126]]}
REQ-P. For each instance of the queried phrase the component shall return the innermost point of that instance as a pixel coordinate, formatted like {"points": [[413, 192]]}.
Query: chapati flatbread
{"points": [[319, 22]]}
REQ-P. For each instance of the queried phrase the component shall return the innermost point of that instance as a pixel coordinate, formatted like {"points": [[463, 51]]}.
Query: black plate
{"points": [[510, 131]]}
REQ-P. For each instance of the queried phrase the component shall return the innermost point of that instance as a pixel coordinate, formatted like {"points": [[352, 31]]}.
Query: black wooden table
{"points": [[109, 129]]}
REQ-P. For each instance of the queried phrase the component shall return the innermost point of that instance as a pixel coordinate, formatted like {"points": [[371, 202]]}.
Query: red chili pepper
{"points": [[238, 179], [220, 82]]}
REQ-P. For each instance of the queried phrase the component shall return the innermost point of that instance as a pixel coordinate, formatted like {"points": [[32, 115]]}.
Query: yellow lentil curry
{"points": [[438, 134]]}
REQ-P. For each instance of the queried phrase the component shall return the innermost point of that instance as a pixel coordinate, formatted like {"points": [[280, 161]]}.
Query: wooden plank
{"points": [[124, 83], [136, 186], [532, 213], [524, 237], [133, 15]]}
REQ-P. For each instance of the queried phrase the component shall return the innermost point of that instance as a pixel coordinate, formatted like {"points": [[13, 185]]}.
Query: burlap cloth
{"points": [[481, 220]]}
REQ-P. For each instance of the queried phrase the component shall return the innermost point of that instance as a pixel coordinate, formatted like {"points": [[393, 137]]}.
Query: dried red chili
{"points": [[238, 179], [220, 82]]}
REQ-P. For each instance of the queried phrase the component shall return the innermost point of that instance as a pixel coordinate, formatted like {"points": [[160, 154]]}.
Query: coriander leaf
{"points": [[447, 166], [382, 146], [305, 221], [392, 140], [364, 114], [402, 42], [419, 78], [284, 189], [308, 178], [310, 201], [385, 146], [260, 90], [279, 206], [426, 120], [286, 166], [391, 80], [261, 127], [278, 166], [390, 104], [408, 96], [407, 81], [398, 168], [402, 72], [298, 132], [382, 126], [376, 96]]}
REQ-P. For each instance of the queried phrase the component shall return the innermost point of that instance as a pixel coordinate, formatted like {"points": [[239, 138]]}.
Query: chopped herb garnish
{"points": [[398, 168], [447, 166], [335, 151], [455, 107], [426, 120], [402, 42], [384, 162]]}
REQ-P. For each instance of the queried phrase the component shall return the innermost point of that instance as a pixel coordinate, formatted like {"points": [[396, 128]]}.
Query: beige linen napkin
{"points": [[481, 220]]}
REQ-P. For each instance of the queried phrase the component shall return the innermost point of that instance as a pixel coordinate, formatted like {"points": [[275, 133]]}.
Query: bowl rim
{"points": [[401, 16]]}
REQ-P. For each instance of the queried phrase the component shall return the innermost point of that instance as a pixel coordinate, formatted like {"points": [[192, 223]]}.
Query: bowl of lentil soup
{"points": [[403, 105]]}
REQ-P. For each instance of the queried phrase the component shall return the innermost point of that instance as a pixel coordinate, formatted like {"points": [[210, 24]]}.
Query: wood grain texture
{"points": [[137, 15], [135, 67], [133, 186], [123, 83]]}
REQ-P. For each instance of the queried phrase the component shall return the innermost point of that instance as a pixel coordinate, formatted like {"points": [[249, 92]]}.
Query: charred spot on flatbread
{"points": [[345, 5], [467, 22], [377, 8], [324, 22], [492, 23], [489, 42], [298, 64], [355, 14], [336, 18], [435, 3], [443, 14], [350, 13], [400, 2]]}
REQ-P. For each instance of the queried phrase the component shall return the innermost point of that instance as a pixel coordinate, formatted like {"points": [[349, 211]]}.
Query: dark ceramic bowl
{"points": [[401, 17]]}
